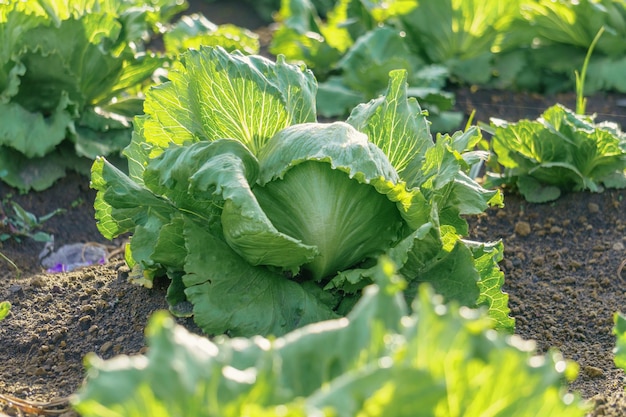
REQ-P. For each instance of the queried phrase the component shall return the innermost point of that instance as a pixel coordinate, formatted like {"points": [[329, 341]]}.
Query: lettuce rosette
{"points": [[266, 220]]}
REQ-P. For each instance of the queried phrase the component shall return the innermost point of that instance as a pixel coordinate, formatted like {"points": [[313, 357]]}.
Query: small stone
{"points": [[37, 282], [593, 208], [555, 229], [522, 228], [16, 289], [86, 309], [593, 371], [618, 246], [575, 264], [105, 346], [539, 260]]}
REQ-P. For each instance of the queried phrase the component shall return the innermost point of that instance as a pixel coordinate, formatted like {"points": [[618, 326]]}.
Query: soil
{"points": [[561, 267]]}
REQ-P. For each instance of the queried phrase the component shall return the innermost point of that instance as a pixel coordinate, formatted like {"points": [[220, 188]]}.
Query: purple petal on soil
{"points": [[56, 268]]}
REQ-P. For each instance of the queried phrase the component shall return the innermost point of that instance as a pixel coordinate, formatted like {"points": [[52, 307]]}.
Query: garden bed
{"points": [[561, 269], [561, 262]]}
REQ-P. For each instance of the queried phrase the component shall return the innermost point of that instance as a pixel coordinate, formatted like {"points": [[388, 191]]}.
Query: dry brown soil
{"points": [[561, 264]]}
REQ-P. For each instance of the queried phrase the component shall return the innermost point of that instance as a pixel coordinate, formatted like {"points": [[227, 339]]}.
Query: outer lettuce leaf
{"points": [[24, 130], [231, 296], [123, 205], [463, 271], [449, 270], [438, 361], [486, 258], [213, 94], [443, 175], [40, 172], [395, 124]]}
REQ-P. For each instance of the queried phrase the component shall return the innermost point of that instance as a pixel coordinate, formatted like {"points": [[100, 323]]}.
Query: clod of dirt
{"points": [[522, 228]]}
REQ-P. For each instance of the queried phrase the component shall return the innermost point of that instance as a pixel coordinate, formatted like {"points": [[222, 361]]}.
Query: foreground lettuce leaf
{"points": [[380, 360], [619, 330]]}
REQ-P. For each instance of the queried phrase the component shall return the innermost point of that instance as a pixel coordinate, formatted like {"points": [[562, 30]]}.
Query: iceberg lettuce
{"points": [[265, 219]]}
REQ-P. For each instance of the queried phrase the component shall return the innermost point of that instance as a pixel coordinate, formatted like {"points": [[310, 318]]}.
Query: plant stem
{"points": [[581, 101], [10, 262]]}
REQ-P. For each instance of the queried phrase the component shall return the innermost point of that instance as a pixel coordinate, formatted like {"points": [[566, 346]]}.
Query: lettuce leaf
{"points": [[381, 360], [619, 330]]}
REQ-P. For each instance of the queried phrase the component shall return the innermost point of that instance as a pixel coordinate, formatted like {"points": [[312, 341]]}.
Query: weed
{"points": [[22, 223]]}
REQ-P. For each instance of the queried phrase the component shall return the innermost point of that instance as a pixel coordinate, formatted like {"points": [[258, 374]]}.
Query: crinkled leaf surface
{"points": [[213, 95], [395, 124]]}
